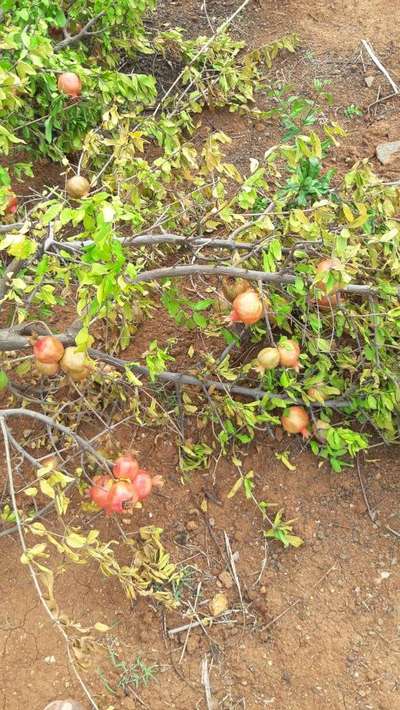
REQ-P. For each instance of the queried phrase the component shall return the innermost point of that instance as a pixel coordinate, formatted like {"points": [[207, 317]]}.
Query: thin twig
{"points": [[371, 513], [232, 566], [84, 32], [379, 64], [65, 430], [205, 680], [190, 625], [208, 620], [393, 531]]}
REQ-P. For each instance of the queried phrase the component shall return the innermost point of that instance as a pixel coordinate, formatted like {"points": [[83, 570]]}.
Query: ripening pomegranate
{"points": [[289, 351], [247, 308], [48, 349], [296, 421], [126, 466], [122, 496], [77, 186], [327, 303], [232, 287], [73, 360], [47, 369], [267, 359], [324, 267], [143, 484], [70, 84], [100, 490], [12, 205]]}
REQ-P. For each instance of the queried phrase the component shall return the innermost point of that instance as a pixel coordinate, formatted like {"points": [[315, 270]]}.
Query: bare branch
{"points": [[74, 39], [277, 277], [4, 228], [52, 423], [379, 64]]}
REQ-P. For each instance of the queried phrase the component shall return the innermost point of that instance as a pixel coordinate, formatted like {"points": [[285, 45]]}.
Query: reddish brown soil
{"points": [[321, 624]]}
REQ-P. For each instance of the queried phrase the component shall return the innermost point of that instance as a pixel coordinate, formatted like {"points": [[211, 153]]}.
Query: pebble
{"points": [[218, 604], [388, 152], [191, 525], [369, 80], [226, 579]]}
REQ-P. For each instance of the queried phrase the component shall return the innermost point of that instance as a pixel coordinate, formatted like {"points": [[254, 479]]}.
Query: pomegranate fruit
{"points": [[47, 369], [126, 466], [123, 495], [320, 430], [324, 267], [326, 303], [48, 349], [315, 394], [289, 351], [247, 308], [77, 186], [12, 205], [79, 375], [232, 287], [100, 490], [73, 360], [267, 359], [69, 83], [296, 421], [143, 484]]}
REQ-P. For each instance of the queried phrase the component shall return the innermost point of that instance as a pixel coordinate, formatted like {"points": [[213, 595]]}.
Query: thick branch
{"points": [[4, 228], [181, 379], [151, 239], [18, 338], [266, 277], [74, 39]]}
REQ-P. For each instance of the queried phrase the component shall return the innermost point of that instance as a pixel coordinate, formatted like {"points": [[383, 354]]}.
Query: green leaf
{"points": [[3, 380]]}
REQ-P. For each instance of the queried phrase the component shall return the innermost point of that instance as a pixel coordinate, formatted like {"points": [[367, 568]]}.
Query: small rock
{"points": [[211, 521], [218, 604], [226, 579], [191, 525], [388, 152], [49, 659], [369, 80]]}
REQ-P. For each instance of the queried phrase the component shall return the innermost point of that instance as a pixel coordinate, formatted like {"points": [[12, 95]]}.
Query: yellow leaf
{"points": [[102, 627], [348, 213], [203, 506], [46, 489], [75, 541], [236, 486], [283, 457], [31, 491]]}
